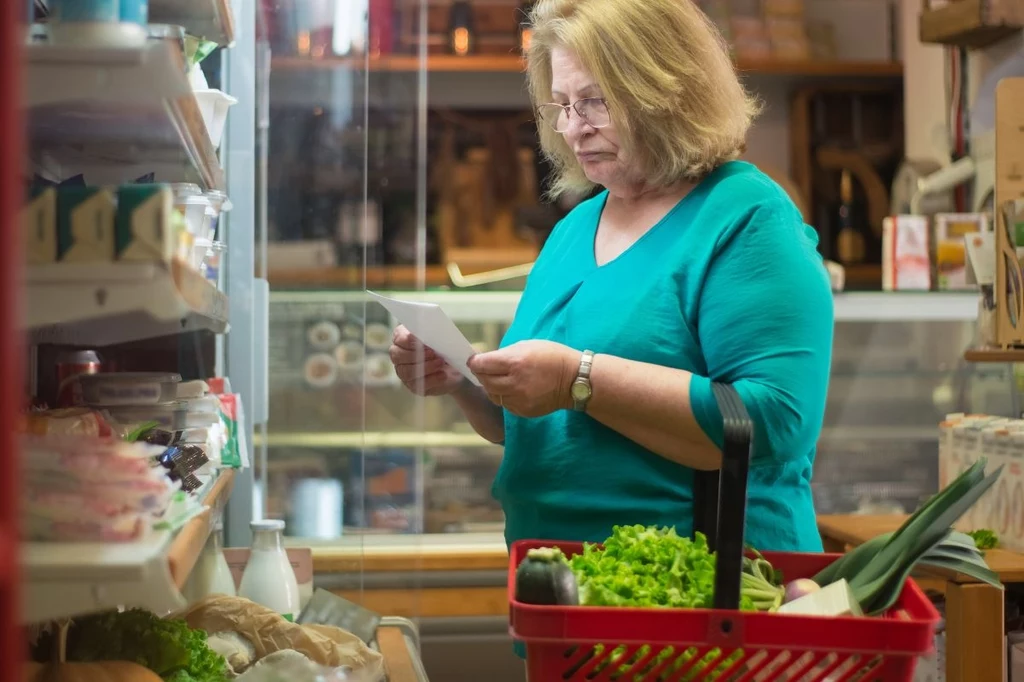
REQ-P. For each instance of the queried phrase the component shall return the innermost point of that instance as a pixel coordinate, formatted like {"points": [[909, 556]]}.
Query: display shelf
{"points": [[1002, 355], [107, 303], [374, 440], [906, 306], [62, 580], [462, 439], [513, 63], [970, 23], [115, 115], [500, 306], [209, 19]]}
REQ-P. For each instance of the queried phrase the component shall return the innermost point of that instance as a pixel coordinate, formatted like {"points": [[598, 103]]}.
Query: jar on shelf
{"points": [[268, 578]]}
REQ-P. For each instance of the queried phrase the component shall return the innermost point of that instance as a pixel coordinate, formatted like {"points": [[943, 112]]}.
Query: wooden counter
{"points": [[420, 555], [398, 660], [975, 642]]}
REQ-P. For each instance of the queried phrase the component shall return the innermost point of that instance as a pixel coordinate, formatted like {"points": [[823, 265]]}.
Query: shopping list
{"points": [[431, 325]]}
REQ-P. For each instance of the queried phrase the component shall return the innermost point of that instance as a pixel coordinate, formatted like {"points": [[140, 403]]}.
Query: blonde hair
{"points": [[666, 74]]}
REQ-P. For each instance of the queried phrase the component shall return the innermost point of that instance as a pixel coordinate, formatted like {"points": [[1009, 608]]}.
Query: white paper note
{"points": [[431, 325]]}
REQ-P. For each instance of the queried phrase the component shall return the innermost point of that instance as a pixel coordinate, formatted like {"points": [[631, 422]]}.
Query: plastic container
{"points": [[214, 105], [170, 416], [212, 262], [723, 643], [219, 203], [191, 203], [129, 388]]}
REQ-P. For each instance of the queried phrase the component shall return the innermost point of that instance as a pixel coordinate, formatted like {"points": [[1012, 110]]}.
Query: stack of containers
{"points": [[965, 438]]}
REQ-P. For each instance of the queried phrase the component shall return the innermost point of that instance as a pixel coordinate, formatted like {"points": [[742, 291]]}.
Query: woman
{"points": [[690, 267]]}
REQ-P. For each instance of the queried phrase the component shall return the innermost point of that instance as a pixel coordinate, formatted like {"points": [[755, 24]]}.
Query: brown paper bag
{"points": [[268, 632]]}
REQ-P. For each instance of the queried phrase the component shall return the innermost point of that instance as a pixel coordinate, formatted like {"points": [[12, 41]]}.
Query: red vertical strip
{"points": [[11, 136]]}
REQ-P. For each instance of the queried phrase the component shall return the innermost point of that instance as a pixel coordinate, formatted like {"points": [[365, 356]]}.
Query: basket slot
{"points": [[802, 669]]}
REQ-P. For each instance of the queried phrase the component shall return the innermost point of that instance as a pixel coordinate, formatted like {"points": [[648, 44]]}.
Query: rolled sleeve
{"points": [[765, 324]]}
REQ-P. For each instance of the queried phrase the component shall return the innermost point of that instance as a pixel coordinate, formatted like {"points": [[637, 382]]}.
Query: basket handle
{"points": [[723, 524]]}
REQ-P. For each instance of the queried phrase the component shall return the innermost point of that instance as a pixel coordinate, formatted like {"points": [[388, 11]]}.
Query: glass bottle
{"points": [[268, 578], [211, 574]]}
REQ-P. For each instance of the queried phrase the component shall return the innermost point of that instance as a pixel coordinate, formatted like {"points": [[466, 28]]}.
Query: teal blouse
{"points": [[729, 286]]}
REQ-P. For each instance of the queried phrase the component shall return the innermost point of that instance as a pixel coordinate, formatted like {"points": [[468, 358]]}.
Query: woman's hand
{"points": [[529, 378], [423, 371]]}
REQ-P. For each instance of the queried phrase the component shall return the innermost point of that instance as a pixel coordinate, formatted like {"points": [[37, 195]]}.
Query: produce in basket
{"points": [[638, 566], [654, 567]]}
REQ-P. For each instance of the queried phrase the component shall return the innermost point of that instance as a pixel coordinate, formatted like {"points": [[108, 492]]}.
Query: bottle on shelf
{"points": [[268, 578], [850, 240], [211, 574]]}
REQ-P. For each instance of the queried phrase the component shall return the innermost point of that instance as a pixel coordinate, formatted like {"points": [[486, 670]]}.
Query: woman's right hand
{"points": [[421, 370]]}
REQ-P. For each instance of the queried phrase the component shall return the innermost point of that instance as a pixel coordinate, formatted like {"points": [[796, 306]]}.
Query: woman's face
{"points": [[598, 150]]}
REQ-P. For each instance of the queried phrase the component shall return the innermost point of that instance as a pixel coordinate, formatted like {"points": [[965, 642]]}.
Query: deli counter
{"points": [[393, 491]]}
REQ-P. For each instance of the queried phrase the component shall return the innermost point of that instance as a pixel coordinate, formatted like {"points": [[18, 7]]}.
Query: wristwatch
{"points": [[581, 390]]}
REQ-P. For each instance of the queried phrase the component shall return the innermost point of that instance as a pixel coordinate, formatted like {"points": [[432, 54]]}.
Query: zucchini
{"points": [[544, 578]]}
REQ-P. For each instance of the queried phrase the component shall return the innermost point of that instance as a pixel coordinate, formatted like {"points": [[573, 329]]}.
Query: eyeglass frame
{"points": [[574, 107]]}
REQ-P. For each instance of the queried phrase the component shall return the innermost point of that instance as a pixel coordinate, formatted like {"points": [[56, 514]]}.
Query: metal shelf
{"points": [[444, 439], [500, 306], [116, 114], [62, 580], [107, 303]]}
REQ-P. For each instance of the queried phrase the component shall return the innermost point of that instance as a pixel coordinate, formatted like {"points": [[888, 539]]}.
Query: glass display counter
{"points": [[410, 481]]}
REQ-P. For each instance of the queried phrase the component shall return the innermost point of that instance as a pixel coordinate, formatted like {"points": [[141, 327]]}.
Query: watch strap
{"points": [[583, 377]]}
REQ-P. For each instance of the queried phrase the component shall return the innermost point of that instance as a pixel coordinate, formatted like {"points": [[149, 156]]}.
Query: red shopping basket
{"points": [[613, 644]]}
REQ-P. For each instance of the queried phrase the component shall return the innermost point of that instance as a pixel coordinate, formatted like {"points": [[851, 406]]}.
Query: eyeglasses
{"points": [[593, 110]]}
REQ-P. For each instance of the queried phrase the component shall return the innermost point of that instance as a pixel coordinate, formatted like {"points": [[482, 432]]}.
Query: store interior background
{"points": [[357, 466]]}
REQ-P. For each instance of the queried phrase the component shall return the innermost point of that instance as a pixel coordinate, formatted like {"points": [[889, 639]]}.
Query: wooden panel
{"points": [[414, 559], [397, 658], [975, 645], [855, 529], [512, 64], [444, 602]]}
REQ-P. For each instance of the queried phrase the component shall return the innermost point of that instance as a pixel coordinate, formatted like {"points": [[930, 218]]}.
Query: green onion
{"points": [[877, 569]]}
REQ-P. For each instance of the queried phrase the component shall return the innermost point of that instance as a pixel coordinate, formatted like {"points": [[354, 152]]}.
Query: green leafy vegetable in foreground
{"points": [[170, 648], [656, 567], [984, 538]]}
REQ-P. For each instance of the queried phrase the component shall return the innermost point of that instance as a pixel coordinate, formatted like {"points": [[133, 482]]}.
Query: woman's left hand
{"points": [[529, 378]]}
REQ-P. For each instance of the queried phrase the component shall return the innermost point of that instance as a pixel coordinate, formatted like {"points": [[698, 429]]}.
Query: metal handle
{"points": [[462, 281], [723, 524]]}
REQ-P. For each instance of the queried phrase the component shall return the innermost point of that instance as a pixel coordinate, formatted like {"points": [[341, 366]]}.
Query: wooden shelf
{"points": [[994, 355], [514, 64], [970, 23], [856, 529]]}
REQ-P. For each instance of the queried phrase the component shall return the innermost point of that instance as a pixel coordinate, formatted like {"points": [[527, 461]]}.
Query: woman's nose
{"points": [[578, 127]]}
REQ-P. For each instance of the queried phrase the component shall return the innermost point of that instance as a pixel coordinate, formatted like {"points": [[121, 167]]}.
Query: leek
{"points": [[877, 569]]}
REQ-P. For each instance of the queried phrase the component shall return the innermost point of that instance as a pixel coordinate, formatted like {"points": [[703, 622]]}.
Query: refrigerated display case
{"points": [[107, 151], [432, 546]]}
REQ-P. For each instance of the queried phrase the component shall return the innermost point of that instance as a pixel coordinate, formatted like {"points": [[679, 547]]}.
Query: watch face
{"points": [[580, 390]]}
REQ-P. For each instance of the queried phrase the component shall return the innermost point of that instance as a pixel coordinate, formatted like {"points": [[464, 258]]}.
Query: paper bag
{"points": [[268, 632]]}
